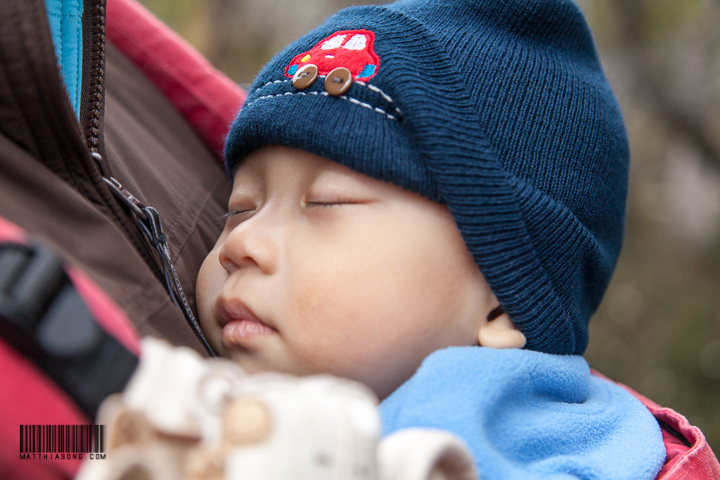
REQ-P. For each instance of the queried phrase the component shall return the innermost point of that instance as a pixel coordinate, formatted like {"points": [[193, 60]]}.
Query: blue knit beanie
{"points": [[498, 109]]}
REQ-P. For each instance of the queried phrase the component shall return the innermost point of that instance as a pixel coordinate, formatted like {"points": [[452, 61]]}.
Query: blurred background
{"points": [[658, 329]]}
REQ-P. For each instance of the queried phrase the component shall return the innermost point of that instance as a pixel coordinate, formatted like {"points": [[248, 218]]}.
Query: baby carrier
{"points": [[72, 244]]}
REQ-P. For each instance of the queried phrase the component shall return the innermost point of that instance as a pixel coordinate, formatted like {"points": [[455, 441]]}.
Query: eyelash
{"points": [[226, 216], [326, 204]]}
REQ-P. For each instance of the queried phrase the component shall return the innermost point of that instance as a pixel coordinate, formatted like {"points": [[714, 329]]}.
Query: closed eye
{"points": [[233, 213], [330, 204]]}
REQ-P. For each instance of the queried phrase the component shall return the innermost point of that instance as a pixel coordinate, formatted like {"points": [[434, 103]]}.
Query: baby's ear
{"points": [[498, 331]]}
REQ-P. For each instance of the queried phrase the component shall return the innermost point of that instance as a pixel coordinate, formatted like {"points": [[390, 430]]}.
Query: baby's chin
{"points": [[252, 365]]}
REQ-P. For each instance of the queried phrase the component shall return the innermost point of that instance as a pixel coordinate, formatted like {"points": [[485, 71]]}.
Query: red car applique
{"points": [[352, 49]]}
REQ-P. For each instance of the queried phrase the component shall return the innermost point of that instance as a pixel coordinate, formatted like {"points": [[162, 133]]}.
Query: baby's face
{"points": [[321, 269]]}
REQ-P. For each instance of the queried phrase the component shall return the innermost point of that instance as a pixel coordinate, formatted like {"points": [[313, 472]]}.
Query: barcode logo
{"points": [[62, 438]]}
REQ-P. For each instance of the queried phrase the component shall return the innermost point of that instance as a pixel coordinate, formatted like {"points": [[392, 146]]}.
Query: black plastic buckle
{"points": [[44, 318], [29, 280]]}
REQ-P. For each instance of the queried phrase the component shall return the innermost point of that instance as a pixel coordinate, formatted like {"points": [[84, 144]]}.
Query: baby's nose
{"points": [[252, 244]]}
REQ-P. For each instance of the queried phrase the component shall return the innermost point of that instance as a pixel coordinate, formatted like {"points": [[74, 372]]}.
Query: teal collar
{"points": [[65, 18]]}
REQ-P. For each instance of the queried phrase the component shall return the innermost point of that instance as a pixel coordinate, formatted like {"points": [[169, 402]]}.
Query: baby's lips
{"points": [[229, 310]]}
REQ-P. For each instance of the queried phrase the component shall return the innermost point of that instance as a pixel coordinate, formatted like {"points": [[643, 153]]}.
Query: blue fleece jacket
{"points": [[528, 415]]}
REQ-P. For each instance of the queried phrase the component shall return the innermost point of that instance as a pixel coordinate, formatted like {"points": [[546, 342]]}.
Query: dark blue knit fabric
{"points": [[497, 108]]}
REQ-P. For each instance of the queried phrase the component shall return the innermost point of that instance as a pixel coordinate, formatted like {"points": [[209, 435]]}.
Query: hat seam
{"points": [[369, 86], [326, 94]]}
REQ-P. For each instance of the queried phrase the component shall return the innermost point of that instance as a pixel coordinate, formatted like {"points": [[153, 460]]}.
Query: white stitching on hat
{"points": [[370, 87], [366, 105], [343, 97], [270, 83], [375, 89]]}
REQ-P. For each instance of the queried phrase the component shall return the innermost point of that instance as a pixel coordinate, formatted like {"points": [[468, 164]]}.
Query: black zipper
{"points": [[92, 110], [95, 74], [145, 228]]}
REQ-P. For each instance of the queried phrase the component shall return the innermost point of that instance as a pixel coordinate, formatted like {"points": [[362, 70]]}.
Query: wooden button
{"points": [[305, 76], [338, 81]]}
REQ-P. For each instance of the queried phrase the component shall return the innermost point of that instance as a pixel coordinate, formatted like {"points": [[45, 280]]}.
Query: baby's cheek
{"points": [[209, 282], [330, 312], [324, 308]]}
